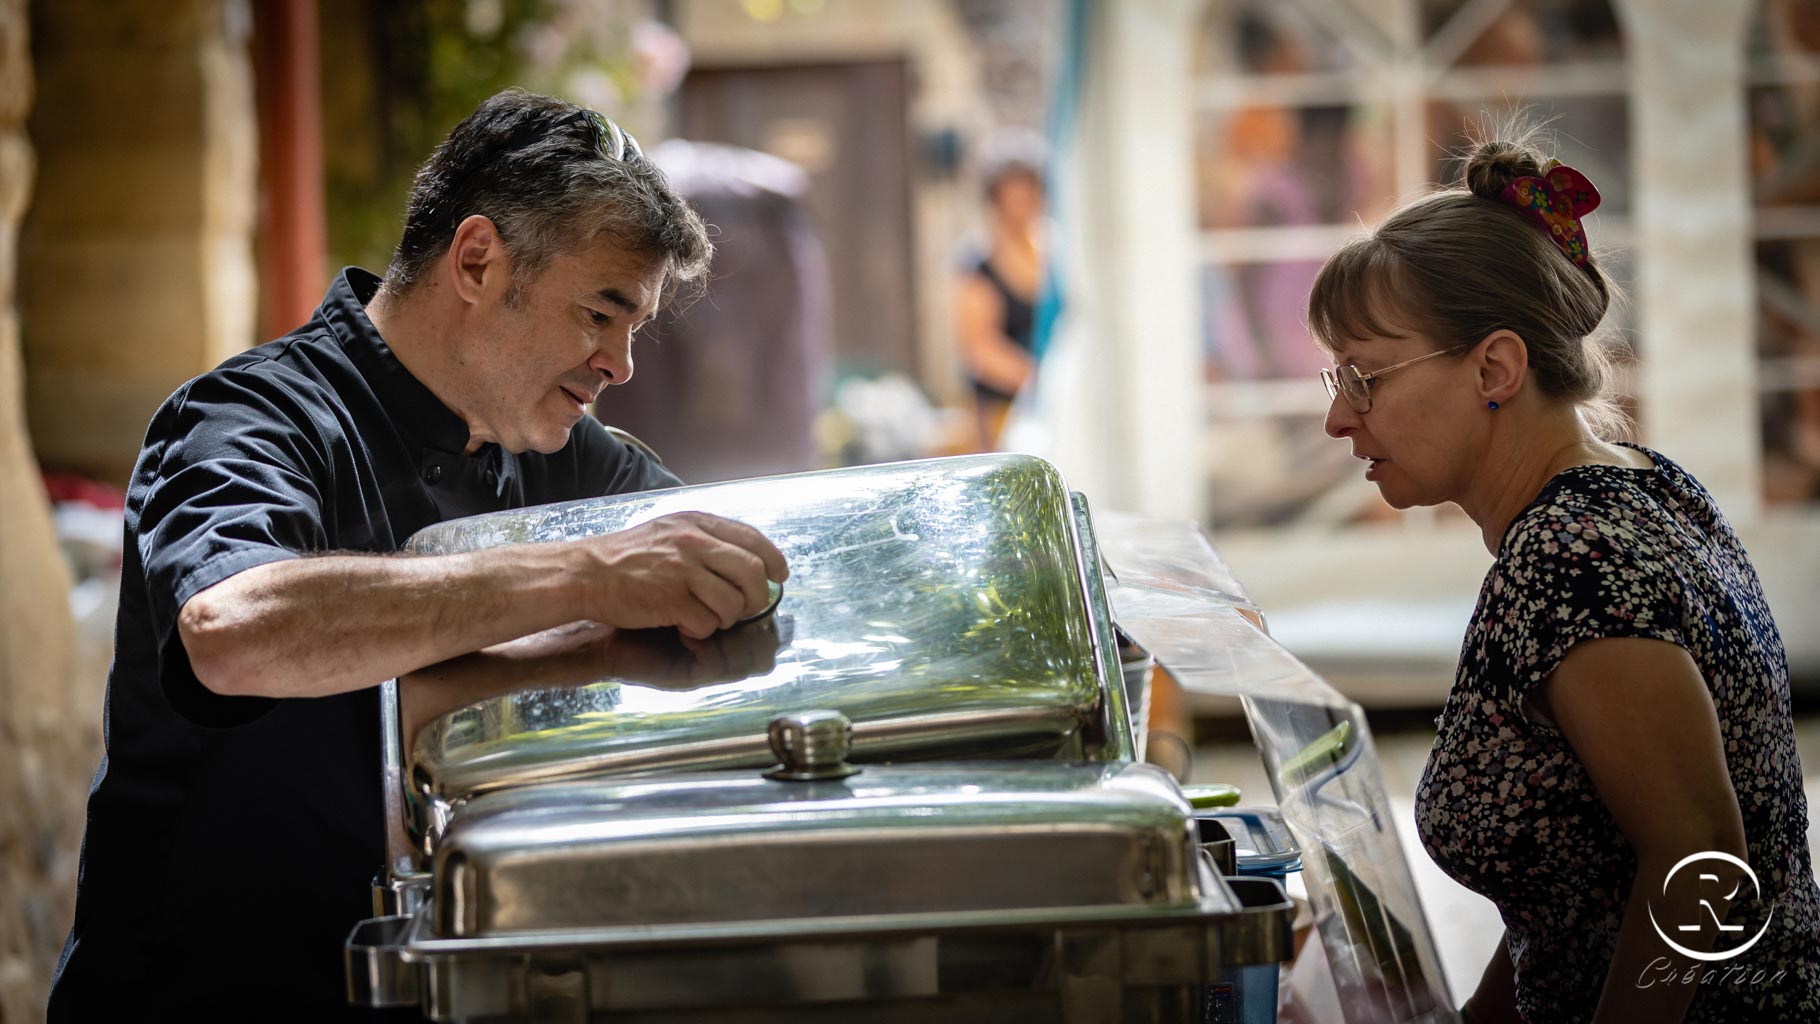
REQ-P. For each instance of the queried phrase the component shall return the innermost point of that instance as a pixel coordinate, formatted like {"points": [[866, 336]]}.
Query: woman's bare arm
{"points": [[1639, 716], [992, 356], [1495, 1000]]}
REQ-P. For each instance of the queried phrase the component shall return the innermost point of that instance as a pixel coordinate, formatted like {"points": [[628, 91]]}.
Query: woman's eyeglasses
{"points": [[1355, 383]]}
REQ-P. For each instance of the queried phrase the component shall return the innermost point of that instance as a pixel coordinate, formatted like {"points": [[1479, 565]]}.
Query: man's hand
{"points": [[695, 571]]}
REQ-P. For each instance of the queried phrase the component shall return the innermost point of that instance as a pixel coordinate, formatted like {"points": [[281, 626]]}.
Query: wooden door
{"points": [[846, 125]]}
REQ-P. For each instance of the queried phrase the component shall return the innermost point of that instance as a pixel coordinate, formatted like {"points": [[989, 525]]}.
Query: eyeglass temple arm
{"points": [[1369, 375]]}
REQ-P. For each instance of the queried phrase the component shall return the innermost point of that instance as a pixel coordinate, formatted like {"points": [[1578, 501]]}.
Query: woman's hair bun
{"points": [[1496, 164]]}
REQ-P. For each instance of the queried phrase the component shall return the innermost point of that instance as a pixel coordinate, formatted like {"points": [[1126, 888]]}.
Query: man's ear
{"points": [[476, 262], [1503, 365]]}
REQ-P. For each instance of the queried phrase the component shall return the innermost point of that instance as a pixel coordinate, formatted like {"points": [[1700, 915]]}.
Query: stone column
{"points": [[140, 272], [45, 754]]}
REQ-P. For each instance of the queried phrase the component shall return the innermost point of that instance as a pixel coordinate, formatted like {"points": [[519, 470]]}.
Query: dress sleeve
{"points": [[236, 481], [1570, 574]]}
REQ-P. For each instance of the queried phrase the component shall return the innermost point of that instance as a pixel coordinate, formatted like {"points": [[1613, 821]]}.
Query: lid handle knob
{"points": [[811, 745]]}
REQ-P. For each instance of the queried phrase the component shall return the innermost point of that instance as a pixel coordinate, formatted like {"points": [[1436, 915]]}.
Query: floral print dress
{"points": [[1507, 809]]}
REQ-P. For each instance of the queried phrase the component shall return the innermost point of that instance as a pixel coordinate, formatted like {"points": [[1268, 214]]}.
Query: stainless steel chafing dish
{"points": [[910, 793]]}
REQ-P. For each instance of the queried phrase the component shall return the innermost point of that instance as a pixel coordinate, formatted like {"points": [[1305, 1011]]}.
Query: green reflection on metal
{"points": [[920, 589]]}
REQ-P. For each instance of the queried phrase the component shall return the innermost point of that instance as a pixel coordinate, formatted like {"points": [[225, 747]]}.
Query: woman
{"points": [[1617, 747], [995, 298]]}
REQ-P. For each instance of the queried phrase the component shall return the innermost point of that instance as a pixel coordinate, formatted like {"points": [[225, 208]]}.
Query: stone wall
{"points": [[140, 272], [46, 745]]}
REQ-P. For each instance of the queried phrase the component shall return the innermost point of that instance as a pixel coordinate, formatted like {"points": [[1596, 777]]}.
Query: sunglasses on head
{"points": [[610, 140]]}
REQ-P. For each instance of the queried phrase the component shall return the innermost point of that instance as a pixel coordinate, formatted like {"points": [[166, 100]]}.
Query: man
{"points": [[236, 820]]}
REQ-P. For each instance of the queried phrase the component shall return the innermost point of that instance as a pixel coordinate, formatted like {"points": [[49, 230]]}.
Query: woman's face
{"points": [[1421, 436], [1019, 199]]}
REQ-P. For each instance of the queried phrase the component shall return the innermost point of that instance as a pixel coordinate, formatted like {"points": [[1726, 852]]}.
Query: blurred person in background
{"points": [[1619, 728], [995, 297], [239, 792]]}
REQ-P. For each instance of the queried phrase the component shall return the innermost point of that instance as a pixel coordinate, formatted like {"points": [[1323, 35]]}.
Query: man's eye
{"points": [[598, 319]]}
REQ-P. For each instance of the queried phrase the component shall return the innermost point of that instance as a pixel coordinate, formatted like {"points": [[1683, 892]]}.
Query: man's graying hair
{"points": [[536, 169]]}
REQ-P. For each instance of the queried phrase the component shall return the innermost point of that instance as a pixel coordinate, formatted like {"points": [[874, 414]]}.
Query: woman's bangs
{"points": [[1354, 297]]}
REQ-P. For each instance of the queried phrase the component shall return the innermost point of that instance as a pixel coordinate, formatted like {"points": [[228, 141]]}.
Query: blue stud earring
{"points": [[1492, 405]]}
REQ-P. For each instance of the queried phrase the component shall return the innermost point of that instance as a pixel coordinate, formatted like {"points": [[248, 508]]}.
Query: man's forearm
{"points": [[332, 623]]}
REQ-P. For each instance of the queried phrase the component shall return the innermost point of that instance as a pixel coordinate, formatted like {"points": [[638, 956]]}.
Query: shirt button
{"points": [[432, 474], [492, 480]]}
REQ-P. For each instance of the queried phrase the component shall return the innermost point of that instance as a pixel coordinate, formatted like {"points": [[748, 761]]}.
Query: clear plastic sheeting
{"points": [[1169, 592], [1155, 558]]}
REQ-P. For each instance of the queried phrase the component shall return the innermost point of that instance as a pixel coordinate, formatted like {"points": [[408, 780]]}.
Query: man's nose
{"points": [[614, 360]]}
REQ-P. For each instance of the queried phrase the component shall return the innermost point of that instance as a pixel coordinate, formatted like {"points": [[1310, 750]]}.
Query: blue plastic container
{"points": [[1260, 847], [1248, 994], [1261, 842], [1242, 995]]}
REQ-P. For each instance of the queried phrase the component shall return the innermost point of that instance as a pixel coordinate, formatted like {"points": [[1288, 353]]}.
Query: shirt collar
{"points": [[419, 415]]}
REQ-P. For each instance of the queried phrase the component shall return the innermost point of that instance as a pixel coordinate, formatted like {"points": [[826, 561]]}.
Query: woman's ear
{"points": [[1503, 363]]}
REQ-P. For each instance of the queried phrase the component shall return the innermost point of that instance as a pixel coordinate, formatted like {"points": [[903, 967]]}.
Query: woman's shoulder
{"points": [[1594, 555], [1580, 516], [1617, 509]]}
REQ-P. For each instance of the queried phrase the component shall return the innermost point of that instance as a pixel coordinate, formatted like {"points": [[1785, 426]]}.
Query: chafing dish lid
{"points": [[717, 847], [947, 592]]}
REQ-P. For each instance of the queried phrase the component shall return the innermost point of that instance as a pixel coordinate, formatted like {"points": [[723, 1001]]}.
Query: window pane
{"points": [[1788, 342], [1254, 321], [1523, 32], [1254, 37], [1281, 166], [1270, 471], [1791, 446], [1785, 144], [1784, 29], [1784, 125]]}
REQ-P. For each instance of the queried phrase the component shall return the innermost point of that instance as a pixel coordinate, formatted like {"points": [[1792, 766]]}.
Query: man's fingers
{"points": [[696, 620], [745, 571], [699, 572], [742, 536], [722, 598]]}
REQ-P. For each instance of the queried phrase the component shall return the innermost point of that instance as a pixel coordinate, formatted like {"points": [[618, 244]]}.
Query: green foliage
{"points": [[419, 66]]}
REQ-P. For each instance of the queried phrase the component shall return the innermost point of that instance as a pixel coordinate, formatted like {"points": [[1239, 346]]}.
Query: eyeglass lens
{"points": [[1347, 380]]}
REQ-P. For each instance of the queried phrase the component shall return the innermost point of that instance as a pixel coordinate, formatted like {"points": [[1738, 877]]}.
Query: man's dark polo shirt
{"points": [[231, 840]]}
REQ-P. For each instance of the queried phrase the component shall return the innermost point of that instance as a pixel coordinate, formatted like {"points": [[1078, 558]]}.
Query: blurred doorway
{"points": [[846, 124]]}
